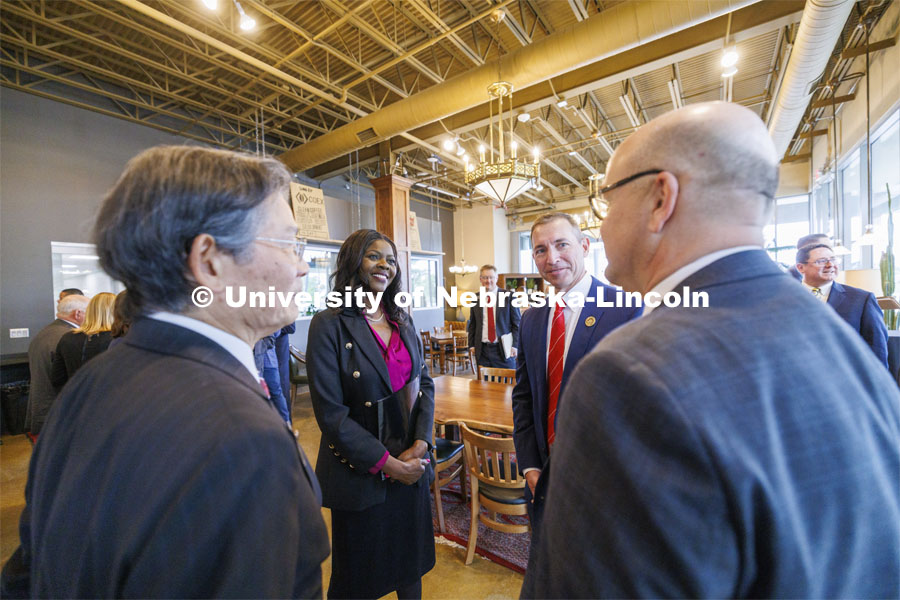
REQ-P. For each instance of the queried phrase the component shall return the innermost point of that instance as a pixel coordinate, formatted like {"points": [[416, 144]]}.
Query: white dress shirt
{"points": [[570, 313], [235, 346], [668, 284], [484, 320], [825, 290]]}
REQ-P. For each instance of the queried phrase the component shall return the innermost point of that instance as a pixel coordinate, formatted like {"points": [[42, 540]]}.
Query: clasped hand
{"points": [[409, 466]]}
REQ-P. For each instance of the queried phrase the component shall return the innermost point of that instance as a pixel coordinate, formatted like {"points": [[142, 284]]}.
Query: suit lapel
{"points": [[582, 336], [362, 336], [837, 296], [538, 353]]}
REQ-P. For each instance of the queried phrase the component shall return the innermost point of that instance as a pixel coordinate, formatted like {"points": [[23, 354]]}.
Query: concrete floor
{"points": [[450, 578]]}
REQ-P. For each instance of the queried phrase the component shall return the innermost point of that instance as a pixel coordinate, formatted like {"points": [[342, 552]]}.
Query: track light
{"points": [[562, 102]]}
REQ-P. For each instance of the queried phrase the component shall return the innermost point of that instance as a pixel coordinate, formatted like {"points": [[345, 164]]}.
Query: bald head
{"points": [[721, 153], [708, 178]]}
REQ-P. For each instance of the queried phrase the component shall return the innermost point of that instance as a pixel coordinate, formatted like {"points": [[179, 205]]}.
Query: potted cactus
{"points": [[891, 317]]}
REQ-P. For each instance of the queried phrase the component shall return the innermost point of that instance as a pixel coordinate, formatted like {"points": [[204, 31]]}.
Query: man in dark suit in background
{"points": [[488, 324], [747, 449], [69, 315], [551, 342], [819, 268], [164, 471], [807, 240]]}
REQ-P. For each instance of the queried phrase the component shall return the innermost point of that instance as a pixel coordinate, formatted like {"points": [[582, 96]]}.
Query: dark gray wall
{"points": [[57, 162]]}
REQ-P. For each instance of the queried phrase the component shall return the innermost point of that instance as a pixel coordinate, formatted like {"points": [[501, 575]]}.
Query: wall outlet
{"points": [[18, 333]]}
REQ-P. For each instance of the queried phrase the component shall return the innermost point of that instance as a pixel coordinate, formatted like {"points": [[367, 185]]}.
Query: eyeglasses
{"points": [[600, 205], [298, 244], [821, 262]]}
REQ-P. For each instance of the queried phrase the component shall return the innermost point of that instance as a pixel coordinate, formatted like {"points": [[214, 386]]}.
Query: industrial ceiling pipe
{"points": [[820, 27]]}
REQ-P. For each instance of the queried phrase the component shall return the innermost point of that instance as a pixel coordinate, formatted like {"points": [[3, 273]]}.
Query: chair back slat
{"points": [[490, 459], [494, 374]]}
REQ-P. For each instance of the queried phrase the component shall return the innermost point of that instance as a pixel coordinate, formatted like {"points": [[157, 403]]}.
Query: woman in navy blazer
{"points": [[362, 366]]}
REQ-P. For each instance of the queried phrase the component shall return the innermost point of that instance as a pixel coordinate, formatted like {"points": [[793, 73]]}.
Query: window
{"points": [[595, 262], [423, 275], [822, 217], [886, 172], [526, 261], [852, 226], [322, 261], [790, 223], [78, 266]]}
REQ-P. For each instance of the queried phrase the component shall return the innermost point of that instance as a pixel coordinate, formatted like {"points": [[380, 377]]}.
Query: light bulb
{"points": [[247, 22], [523, 117], [449, 145], [211, 4], [729, 57], [562, 102], [729, 71]]}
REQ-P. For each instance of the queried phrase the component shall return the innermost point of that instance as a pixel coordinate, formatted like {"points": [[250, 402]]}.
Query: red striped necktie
{"points": [[555, 357], [492, 329]]}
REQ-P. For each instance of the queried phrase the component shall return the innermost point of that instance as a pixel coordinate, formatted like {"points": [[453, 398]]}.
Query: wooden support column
{"points": [[392, 217]]}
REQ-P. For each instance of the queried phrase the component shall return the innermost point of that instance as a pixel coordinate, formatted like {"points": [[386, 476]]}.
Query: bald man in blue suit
{"points": [[559, 249]]}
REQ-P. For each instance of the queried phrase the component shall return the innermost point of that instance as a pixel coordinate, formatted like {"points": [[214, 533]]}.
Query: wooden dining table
{"points": [[485, 405]]}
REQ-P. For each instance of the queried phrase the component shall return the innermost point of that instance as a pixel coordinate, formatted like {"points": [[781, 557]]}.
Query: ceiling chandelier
{"points": [[503, 177]]}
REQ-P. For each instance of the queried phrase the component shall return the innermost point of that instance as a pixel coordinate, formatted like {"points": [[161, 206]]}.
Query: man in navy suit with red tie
{"points": [[551, 342], [488, 324]]}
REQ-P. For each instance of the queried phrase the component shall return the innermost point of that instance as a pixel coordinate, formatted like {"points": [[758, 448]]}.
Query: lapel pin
{"points": [[589, 322]]}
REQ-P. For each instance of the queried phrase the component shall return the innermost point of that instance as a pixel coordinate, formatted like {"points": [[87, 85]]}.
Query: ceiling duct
{"points": [[620, 28], [819, 30]]}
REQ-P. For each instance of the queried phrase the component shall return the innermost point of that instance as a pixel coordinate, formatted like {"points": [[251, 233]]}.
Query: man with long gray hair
{"points": [[164, 470], [746, 449]]}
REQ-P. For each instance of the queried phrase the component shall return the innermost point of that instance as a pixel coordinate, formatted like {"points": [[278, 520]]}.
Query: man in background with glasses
{"points": [[819, 267], [746, 449]]}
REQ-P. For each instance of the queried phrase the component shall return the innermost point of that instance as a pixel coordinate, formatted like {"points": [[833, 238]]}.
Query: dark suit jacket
{"points": [[529, 398], [347, 375], [72, 351], [163, 471], [729, 451], [40, 357], [861, 311], [506, 320]]}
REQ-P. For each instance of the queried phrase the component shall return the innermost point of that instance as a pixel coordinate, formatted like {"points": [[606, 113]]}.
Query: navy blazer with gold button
{"points": [[347, 375]]}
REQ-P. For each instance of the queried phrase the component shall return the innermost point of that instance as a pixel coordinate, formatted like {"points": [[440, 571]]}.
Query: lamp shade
{"points": [[866, 279]]}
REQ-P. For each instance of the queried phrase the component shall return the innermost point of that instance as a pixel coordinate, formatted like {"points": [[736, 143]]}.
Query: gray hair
{"points": [[164, 199], [71, 303], [552, 216]]}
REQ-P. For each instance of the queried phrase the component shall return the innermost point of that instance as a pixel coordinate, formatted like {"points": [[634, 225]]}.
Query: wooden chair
{"points": [[474, 363], [496, 484], [448, 458], [459, 353], [432, 351], [297, 373], [499, 375]]}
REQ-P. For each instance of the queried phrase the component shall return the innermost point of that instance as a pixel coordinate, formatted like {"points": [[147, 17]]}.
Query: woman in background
{"points": [[121, 318], [374, 402], [80, 345]]}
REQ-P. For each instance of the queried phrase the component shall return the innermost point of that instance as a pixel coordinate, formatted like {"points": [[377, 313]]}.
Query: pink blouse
{"points": [[399, 366]]}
